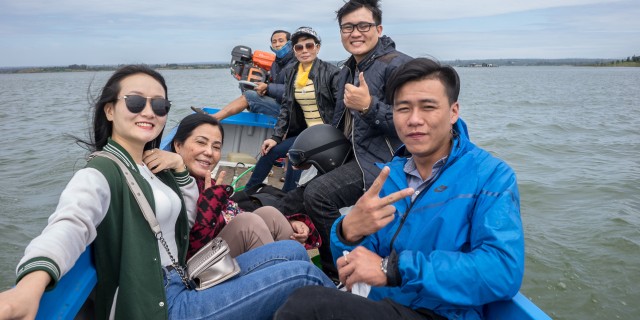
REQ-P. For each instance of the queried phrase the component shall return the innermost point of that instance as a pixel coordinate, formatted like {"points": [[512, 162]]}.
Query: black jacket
{"points": [[291, 119], [275, 87], [373, 134]]}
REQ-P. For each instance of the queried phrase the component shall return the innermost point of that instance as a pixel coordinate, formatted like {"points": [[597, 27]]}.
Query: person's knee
{"points": [[250, 95], [268, 213], [297, 306], [317, 196], [247, 221], [313, 190], [293, 249]]}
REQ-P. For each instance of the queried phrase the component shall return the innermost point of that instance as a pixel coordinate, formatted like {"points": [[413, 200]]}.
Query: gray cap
{"points": [[305, 31]]}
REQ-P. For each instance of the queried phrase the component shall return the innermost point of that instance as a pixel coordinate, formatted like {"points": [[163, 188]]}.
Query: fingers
{"points": [[398, 195], [363, 83], [378, 183], [221, 177], [207, 180], [267, 145]]}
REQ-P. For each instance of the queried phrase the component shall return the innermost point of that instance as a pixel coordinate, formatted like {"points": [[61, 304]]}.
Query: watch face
{"points": [[383, 264]]}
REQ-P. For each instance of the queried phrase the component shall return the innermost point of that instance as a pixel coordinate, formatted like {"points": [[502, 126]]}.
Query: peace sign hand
{"points": [[371, 213], [207, 179]]}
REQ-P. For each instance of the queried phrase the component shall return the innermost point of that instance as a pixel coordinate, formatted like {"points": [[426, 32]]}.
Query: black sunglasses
{"points": [[309, 46], [136, 104]]}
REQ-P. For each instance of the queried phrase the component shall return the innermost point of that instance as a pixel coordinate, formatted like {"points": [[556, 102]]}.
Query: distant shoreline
{"points": [[88, 68], [457, 63]]}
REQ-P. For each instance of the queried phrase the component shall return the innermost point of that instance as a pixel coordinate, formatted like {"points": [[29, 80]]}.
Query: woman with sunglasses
{"points": [[309, 99], [198, 143], [136, 275]]}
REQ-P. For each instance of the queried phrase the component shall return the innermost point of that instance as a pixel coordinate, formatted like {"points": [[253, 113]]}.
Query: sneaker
{"points": [[198, 110]]}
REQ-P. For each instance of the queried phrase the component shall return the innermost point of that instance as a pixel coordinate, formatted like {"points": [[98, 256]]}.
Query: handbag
{"points": [[211, 265]]}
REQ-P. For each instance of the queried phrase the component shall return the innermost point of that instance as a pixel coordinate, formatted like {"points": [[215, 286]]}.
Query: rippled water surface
{"points": [[571, 134]]}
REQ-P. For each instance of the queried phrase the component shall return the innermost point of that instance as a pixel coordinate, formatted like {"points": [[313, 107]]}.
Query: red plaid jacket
{"points": [[213, 203]]}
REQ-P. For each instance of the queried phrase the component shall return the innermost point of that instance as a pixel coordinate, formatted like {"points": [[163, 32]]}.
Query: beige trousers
{"points": [[249, 230]]}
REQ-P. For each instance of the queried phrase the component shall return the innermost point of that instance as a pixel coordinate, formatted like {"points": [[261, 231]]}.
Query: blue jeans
{"points": [[262, 104], [269, 275], [263, 167]]}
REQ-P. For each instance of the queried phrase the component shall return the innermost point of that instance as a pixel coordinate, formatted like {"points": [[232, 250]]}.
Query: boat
{"points": [[244, 132]]}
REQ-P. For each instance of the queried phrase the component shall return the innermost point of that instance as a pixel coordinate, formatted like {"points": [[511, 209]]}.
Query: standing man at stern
{"points": [[438, 235], [362, 113]]}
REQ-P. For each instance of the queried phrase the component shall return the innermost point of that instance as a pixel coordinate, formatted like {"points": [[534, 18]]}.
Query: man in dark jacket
{"points": [[266, 97], [362, 113]]}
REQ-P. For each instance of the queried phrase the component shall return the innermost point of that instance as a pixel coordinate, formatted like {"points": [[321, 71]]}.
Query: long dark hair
{"points": [[190, 123], [102, 128]]}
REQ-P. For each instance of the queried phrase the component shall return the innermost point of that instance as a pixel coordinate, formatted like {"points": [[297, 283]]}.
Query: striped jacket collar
{"points": [[122, 154]]}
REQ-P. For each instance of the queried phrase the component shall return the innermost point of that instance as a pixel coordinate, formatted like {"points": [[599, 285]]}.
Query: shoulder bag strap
{"points": [[137, 192], [146, 211]]}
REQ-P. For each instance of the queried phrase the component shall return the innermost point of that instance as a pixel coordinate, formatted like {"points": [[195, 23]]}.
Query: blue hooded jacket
{"points": [[460, 244]]}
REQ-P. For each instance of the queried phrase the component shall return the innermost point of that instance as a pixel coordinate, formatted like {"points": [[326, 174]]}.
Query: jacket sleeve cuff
{"points": [[342, 239], [393, 272], [276, 139], [183, 178], [40, 264]]}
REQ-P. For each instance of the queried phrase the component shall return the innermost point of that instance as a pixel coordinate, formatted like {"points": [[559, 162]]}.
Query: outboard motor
{"points": [[248, 67]]}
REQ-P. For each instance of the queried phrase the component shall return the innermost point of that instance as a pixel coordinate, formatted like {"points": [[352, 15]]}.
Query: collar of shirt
{"points": [[414, 180]]}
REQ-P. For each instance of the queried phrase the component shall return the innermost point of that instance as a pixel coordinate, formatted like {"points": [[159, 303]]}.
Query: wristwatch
{"points": [[383, 265], [364, 110]]}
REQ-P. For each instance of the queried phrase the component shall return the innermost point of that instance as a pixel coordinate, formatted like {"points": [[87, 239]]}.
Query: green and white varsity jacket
{"points": [[97, 208]]}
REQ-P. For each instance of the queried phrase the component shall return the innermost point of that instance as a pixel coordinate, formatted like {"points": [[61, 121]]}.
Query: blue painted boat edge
{"points": [[519, 307], [72, 290]]}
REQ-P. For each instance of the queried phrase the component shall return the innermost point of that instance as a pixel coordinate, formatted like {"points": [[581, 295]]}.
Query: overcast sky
{"points": [[64, 32]]}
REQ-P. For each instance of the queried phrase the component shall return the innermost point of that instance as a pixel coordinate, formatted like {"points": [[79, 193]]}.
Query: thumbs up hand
{"points": [[357, 98]]}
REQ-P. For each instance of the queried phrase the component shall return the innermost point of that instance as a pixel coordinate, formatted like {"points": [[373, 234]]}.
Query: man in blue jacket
{"points": [[266, 97], [438, 235]]}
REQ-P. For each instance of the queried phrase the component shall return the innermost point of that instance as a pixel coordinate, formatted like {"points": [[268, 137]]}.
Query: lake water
{"points": [[571, 134]]}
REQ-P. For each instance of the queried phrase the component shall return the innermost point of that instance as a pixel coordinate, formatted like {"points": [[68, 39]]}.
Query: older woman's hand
{"points": [[300, 231], [157, 160]]}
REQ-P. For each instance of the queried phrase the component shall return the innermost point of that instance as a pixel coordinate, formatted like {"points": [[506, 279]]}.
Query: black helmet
{"points": [[321, 145]]}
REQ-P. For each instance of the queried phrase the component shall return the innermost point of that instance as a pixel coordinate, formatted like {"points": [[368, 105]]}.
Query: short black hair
{"points": [[421, 69], [282, 31], [353, 5]]}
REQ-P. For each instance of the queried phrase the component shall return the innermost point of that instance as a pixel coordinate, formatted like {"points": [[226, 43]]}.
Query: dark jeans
{"points": [[316, 302], [263, 167], [324, 196]]}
